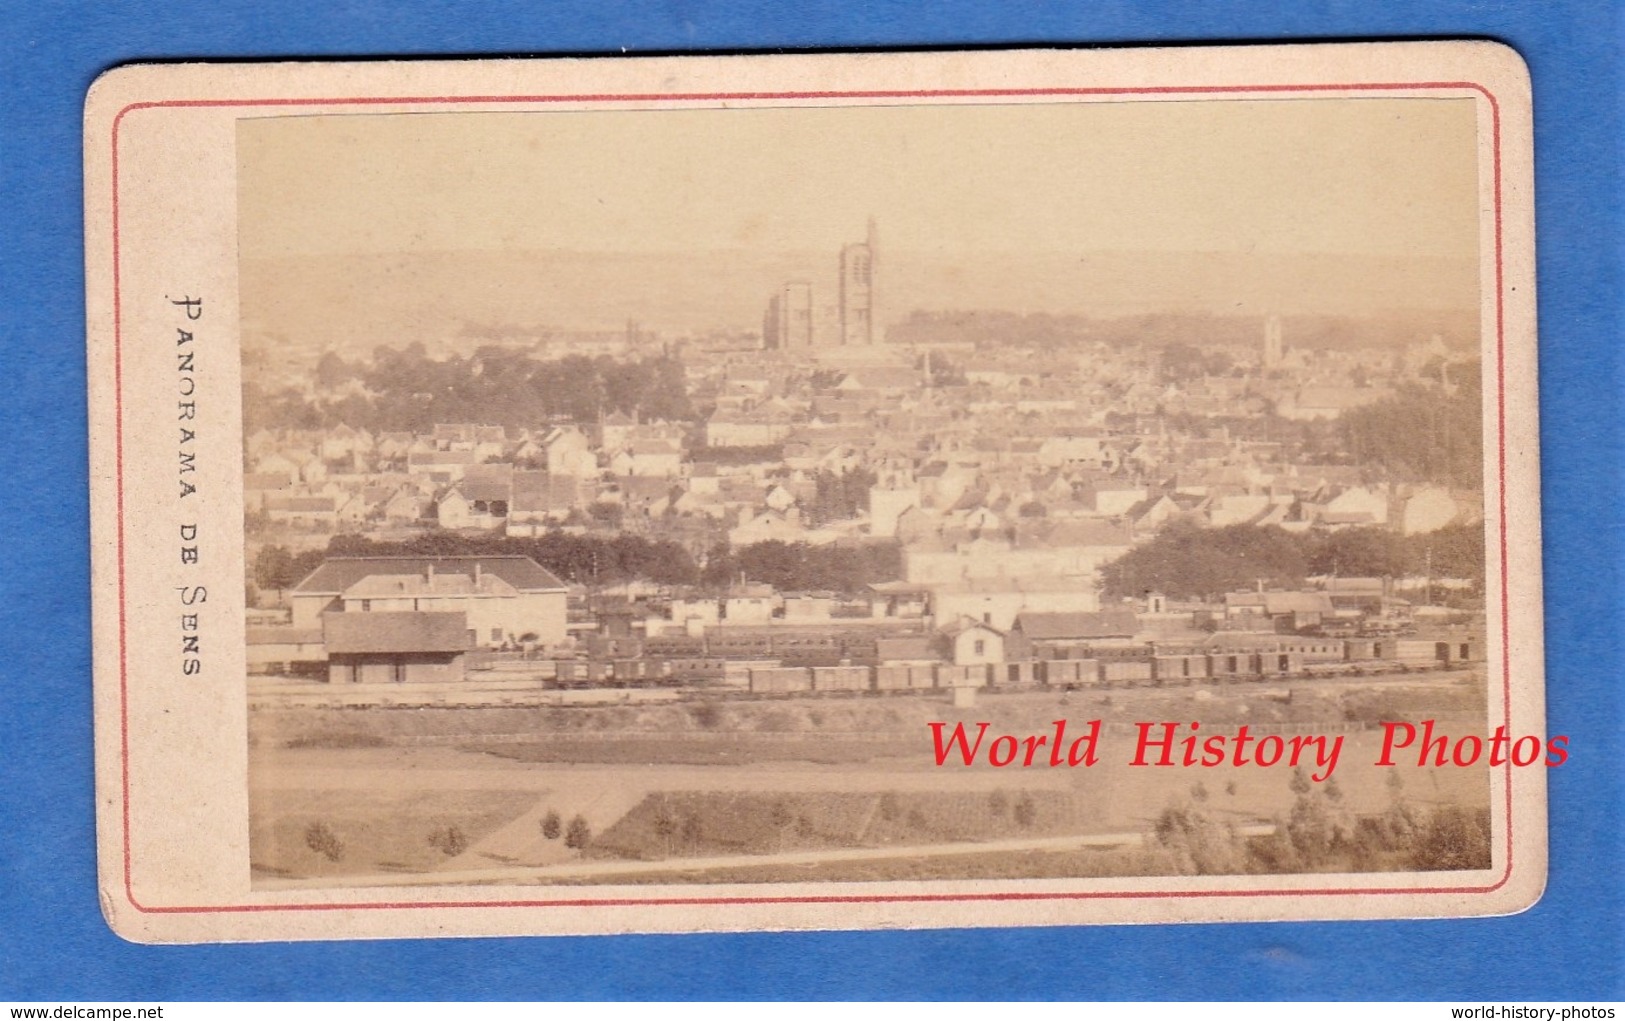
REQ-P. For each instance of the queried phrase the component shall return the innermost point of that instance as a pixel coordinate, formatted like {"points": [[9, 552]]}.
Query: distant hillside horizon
{"points": [[353, 303]]}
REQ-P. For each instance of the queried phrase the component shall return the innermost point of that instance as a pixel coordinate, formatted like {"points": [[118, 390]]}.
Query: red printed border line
{"points": [[1063, 93]]}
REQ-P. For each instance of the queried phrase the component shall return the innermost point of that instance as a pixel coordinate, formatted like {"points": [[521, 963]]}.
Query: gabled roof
{"points": [[1144, 507], [911, 647], [643, 487], [1069, 534], [301, 504], [964, 624], [1281, 602], [654, 448], [266, 480], [1339, 398], [1110, 623], [339, 573], [282, 635], [441, 457], [539, 491], [882, 377], [384, 586], [395, 632], [486, 482], [1345, 586]]}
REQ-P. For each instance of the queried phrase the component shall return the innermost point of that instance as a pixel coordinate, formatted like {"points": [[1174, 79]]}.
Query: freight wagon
{"points": [[760, 661], [1069, 673], [1233, 664], [782, 680], [974, 676], [1175, 669], [674, 646], [901, 677], [1125, 671], [698, 669], [842, 678], [1020, 673]]}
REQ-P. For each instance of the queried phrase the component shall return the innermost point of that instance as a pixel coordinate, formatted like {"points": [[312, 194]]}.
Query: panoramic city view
{"points": [[646, 497]]}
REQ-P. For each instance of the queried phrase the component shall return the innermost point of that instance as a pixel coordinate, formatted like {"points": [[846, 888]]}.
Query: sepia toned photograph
{"points": [[820, 492], [629, 494]]}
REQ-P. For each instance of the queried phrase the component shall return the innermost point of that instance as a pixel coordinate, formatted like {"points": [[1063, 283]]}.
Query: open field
{"points": [[691, 782]]}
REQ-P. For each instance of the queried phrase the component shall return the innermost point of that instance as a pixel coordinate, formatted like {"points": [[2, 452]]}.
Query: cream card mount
{"points": [[815, 492]]}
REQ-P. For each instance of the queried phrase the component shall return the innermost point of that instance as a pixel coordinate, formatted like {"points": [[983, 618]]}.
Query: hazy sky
{"points": [[1378, 177]]}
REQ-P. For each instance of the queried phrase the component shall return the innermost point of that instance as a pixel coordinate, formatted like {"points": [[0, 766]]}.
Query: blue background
{"points": [[53, 943]]}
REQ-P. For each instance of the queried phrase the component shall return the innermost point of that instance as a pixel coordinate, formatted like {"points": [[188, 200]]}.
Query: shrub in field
{"points": [[781, 817], [1453, 838], [1312, 831], [578, 834], [1199, 843], [665, 826], [336, 740], [889, 806], [1026, 811], [319, 837], [552, 825], [450, 841], [998, 803]]}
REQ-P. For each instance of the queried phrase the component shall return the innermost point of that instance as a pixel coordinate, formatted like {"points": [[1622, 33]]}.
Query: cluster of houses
{"points": [[1007, 483], [420, 619], [1030, 452]]}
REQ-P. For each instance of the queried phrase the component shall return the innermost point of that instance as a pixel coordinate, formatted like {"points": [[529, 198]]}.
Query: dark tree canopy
{"points": [[583, 559], [1186, 561], [409, 391], [799, 567], [841, 496], [606, 560], [1422, 435]]}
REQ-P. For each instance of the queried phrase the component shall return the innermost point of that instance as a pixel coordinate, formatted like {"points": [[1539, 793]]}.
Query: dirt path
{"points": [[592, 869]]}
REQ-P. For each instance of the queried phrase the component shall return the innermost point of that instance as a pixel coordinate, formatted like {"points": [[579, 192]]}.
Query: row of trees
{"points": [[798, 567], [406, 390], [605, 560], [1187, 561], [1321, 834], [840, 496], [576, 837], [1421, 434]]}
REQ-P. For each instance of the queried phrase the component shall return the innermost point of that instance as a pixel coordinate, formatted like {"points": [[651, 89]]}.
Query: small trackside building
{"points": [[399, 647], [506, 599]]}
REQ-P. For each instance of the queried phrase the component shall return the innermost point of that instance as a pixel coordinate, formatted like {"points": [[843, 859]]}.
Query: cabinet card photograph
{"points": [[833, 491]]}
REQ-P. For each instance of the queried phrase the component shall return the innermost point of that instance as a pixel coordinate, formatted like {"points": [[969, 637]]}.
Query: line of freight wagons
{"points": [[1114, 666]]}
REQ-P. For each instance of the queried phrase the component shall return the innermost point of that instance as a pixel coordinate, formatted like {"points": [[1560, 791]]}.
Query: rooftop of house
{"points": [[282, 636], [337, 574], [1279, 602], [1110, 623], [384, 586], [403, 632]]}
